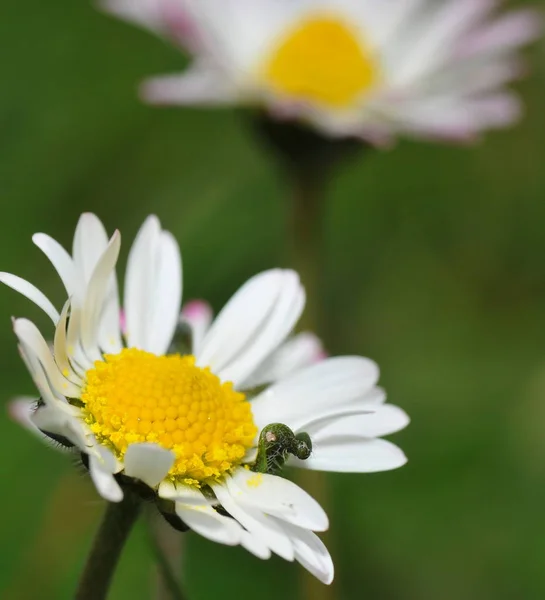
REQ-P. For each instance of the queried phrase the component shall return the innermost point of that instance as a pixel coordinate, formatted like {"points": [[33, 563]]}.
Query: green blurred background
{"points": [[435, 268]]}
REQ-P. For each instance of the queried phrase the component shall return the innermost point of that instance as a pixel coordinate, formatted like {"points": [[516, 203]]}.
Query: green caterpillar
{"points": [[276, 443]]}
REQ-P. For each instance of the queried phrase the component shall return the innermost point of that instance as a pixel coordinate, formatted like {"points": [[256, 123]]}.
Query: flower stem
{"points": [[307, 258], [110, 539], [309, 160], [307, 243], [166, 544]]}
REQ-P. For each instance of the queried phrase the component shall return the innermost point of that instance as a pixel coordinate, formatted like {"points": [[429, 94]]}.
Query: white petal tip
{"points": [[20, 410], [148, 462]]}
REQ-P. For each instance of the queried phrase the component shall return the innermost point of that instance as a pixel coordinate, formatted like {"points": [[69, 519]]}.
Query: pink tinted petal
{"points": [[196, 310], [20, 410], [179, 24], [123, 321]]}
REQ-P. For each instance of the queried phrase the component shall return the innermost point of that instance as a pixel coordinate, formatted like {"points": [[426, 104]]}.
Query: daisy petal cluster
{"points": [[189, 426], [361, 68]]}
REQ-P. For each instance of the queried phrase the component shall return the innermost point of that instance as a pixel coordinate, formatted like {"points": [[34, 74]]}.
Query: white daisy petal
{"points": [[300, 351], [263, 312], [368, 422], [199, 85], [93, 308], [140, 273], [74, 348], [198, 315], [504, 34], [205, 521], [236, 324], [32, 293], [101, 469], [148, 462], [90, 243], [37, 372], [263, 528], [142, 12], [60, 346], [311, 552], [254, 545], [31, 337], [21, 409], [50, 419], [279, 497], [328, 387], [37, 420], [183, 494], [61, 261], [353, 455], [165, 310]]}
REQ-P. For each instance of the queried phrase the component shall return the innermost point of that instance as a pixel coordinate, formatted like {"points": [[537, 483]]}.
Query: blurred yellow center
{"points": [[135, 396], [322, 60]]}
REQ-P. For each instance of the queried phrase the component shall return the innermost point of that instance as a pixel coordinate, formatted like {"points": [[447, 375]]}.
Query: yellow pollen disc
{"points": [[322, 60], [135, 396]]}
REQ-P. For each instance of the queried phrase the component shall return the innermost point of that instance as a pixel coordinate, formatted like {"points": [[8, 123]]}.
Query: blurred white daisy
{"points": [[363, 68], [188, 425]]}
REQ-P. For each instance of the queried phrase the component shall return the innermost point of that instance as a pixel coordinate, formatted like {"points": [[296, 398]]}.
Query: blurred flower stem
{"points": [[108, 544], [309, 160], [167, 546]]}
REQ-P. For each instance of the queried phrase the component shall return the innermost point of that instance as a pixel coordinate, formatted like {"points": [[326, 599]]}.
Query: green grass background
{"points": [[435, 267]]}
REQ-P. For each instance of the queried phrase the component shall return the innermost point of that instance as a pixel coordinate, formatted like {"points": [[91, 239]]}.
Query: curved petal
{"points": [[62, 262], [21, 410], [256, 523], [38, 419], [33, 340], [95, 299], [327, 388], [101, 469], [353, 455], [279, 497], [311, 552], [300, 351], [252, 325], [239, 319], [38, 374], [375, 422], [210, 524], [254, 545], [32, 293], [69, 370], [90, 242], [148, 462]]}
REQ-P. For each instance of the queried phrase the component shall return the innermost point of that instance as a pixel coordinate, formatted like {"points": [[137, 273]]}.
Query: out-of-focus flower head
{"points": [[366, 68]]}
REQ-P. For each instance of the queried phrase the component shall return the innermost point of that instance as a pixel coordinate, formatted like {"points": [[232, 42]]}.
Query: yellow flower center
{"points": [[135, 396], [322, 60]]}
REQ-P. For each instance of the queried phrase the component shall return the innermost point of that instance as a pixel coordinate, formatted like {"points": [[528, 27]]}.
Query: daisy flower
{"points": [[361, 68], [203, 431]]}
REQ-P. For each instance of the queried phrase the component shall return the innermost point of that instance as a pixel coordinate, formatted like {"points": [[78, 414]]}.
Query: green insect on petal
{"points": [[276, 442]]}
